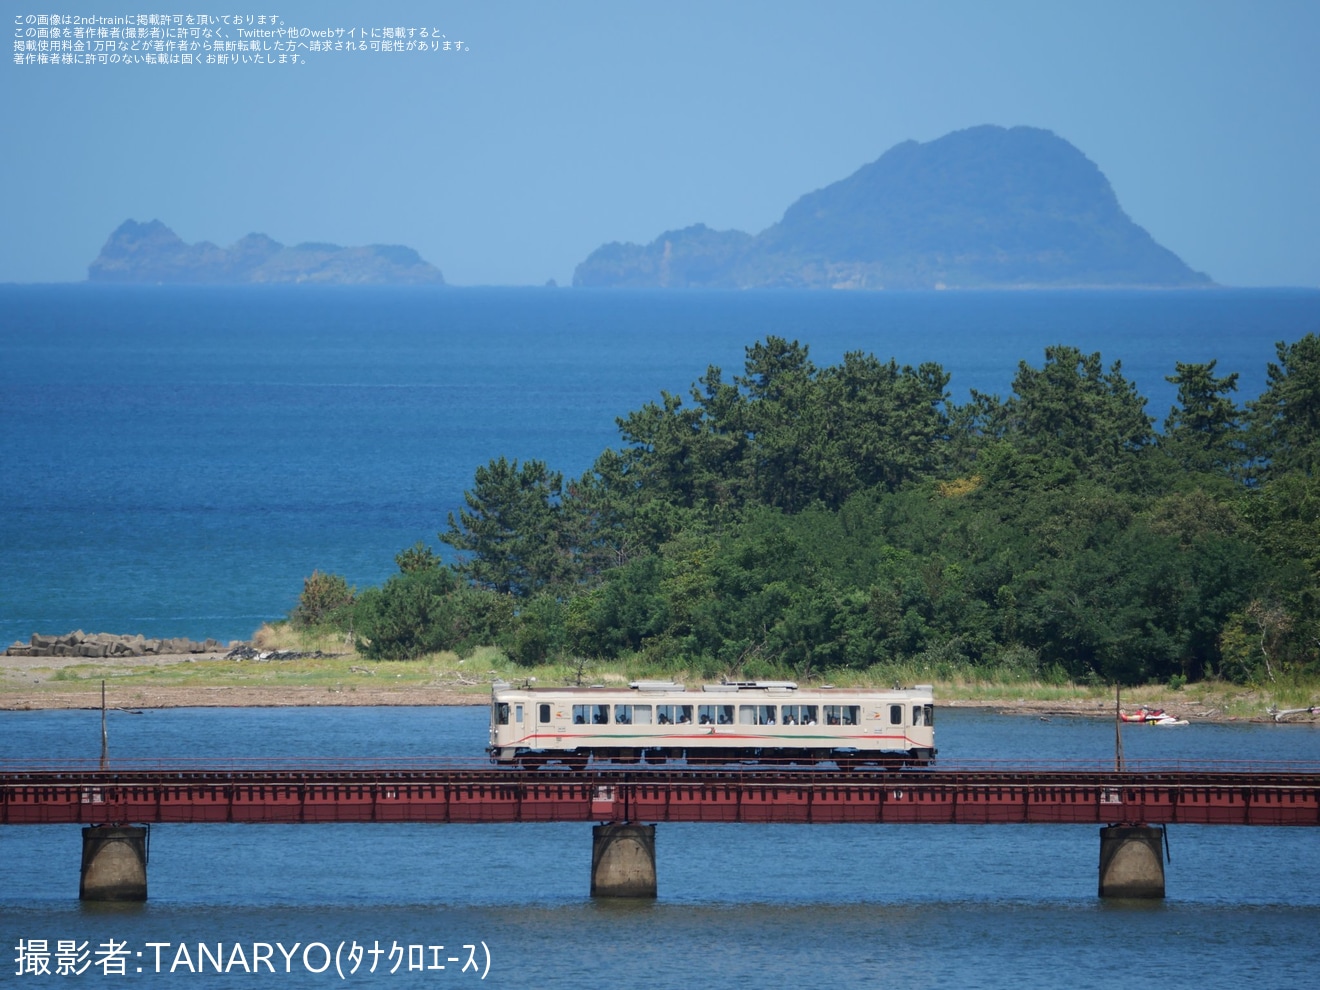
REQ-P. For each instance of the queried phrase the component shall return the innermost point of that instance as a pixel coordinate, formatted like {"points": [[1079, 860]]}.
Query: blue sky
{"points": [[568, 124]]}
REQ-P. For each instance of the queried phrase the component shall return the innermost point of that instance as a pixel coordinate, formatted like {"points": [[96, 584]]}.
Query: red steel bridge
{"points": [[475, 791]]}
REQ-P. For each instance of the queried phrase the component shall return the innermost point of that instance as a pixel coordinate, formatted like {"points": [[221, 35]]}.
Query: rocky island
{"points": [[152, 253], [986, 207]]}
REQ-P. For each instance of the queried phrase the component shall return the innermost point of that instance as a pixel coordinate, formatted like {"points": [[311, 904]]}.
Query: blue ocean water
{"points": [[836, 905], [178, 459]]}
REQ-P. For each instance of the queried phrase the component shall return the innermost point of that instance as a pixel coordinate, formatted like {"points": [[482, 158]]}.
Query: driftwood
{"points": [[1284, 714]]}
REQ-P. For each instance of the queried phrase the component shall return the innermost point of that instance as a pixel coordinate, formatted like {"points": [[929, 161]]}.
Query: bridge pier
{"points": [[1131, 861], [114, 863], [623, 861]]}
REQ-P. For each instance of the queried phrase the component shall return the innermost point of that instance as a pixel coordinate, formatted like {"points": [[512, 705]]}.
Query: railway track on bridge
{"points": [[308, 792]]}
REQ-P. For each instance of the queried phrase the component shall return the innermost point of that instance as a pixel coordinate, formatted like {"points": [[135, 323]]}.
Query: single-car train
{"points": [[747, 721]]}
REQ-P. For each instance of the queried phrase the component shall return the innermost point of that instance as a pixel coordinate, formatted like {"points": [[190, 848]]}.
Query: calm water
{"points": [[924, 906], [177, 460]]}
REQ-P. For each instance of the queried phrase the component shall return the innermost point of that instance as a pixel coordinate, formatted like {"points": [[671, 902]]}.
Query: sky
{"points": [[561, 125]]}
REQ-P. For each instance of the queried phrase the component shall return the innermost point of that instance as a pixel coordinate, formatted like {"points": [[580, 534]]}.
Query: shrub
{"points": [[326, 599], [411, 614], [540, 632]]}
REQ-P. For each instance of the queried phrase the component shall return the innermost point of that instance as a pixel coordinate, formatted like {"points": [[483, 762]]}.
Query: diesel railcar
{"points": [[747, 721]]}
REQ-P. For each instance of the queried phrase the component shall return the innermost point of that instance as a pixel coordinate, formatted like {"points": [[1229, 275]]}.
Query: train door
{"points": [[551, 722], [499, 721], [923, 722]]}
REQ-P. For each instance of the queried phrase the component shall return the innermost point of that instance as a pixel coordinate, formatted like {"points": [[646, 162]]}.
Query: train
{"points": [[762, 722]]}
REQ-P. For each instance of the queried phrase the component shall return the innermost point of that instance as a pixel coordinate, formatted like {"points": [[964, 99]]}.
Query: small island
{"points": [[152, 253], [983, 208]]}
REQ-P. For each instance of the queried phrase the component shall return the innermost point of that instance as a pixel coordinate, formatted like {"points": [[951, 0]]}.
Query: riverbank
{"points": [[213, 680]]}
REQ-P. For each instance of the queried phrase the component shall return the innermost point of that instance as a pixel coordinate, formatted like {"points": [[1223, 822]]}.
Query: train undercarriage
{"points": [[843, 759]]}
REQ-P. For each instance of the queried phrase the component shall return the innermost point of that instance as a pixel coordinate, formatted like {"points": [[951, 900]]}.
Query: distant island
{"points": [[986, 207], [151, 252]]}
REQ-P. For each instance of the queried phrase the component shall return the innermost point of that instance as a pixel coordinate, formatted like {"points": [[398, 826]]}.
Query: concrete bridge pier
{"points": [[623, 861], [1131, 861], [114, 863]]}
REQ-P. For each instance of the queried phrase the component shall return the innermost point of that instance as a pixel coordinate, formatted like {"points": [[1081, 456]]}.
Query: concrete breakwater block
{"points": [[109, 645]]}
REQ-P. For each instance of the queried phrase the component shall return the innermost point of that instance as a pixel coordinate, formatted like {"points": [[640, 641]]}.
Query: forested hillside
{"points": [[796, 520]]}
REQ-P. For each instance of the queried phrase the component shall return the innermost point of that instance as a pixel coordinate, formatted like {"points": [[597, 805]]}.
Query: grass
{"points": [[348, 672]]}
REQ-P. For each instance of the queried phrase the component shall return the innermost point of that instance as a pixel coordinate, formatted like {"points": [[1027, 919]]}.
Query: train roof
{"points": [[777, 688]]}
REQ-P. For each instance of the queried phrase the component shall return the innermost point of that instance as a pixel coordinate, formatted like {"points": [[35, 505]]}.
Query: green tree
{"points": [[1203, 433], [1283, 517], [1074, 411], [688, 455], [881, 426], [623, 614], [782, 421], [1285, 420], [539, 631], [418, 557], [511, 529]]}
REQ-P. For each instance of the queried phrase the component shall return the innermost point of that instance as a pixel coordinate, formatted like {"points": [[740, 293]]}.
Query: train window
{"points": [[641, 714], [918, 715], [930, 714], [502, 713], [544, 715], [673, 714], [517, 714], [845, 714], [799, 714], [895, 714], [591, 714], [756, 714], [623, 714], [715, 714]]}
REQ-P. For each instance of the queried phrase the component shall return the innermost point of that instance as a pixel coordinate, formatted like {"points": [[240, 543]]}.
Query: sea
{"points": [[993, 906], [177, 460]]}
